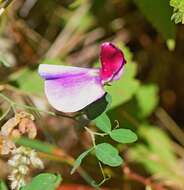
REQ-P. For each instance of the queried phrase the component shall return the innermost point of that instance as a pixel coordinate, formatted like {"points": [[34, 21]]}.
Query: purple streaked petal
{"points": [[70, 89], [112, 60], [49, 72]]}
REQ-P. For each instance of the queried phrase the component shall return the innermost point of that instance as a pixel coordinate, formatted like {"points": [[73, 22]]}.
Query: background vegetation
{"points": [[148, 99]]}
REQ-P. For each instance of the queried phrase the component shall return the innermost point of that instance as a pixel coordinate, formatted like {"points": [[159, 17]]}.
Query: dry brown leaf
{"points": [[27, 126], [21, 123]]}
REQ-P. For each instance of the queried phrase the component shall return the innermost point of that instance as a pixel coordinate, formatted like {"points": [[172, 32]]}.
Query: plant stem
{"points": [[4, 5], [14, 104], [5, 113], [145, 181], [171, 125], [92, 136], [6, 99]]}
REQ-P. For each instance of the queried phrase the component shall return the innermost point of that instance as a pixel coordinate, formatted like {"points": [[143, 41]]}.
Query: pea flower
{"points": [[70, 89]]}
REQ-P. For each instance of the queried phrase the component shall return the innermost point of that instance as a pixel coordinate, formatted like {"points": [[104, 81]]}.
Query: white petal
{"points": [[70, 89]]}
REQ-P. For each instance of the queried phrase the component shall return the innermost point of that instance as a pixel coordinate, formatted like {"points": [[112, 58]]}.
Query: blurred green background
{"points": [[148, 99]]}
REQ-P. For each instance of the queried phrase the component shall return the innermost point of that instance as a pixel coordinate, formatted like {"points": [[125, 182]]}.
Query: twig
{"points": [[145, 181], [130, 119], [66, 33], [105, 178], [4, 5], [171, 125], [179, 150], [32, 34]]}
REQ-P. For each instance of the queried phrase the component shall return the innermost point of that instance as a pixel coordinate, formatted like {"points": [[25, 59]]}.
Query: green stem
{"points": [[5, 113], [14, 105], [104, 177], [34, 109], [95, 133], [92, 136], [6, 99]]}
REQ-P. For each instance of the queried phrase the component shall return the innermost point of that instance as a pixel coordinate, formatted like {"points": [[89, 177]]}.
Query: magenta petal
{"points": [[70, 89], [112, 60]]}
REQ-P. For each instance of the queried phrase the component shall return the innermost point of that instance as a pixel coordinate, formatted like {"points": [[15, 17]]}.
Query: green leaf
{"points": [[147, 97], [126, 50], [108, 155], [144, 155], [4, 62], [52, 61], [157, 153], [122, 91], [76, 3], [178, 15], [130, 71], [28, 81], [165, 152], [78, 161], [3, 186], [103, 123], [109, 100], [158, 12], [44, 181], [175, 3], [123, 135], [96, 108], [37, 145]]}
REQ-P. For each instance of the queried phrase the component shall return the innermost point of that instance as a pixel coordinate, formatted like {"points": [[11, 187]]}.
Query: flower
{"points": [[70, 89]]}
